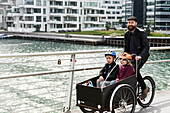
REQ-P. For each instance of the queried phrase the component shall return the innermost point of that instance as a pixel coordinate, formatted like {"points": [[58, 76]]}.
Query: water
{"points": [[159, 71]]}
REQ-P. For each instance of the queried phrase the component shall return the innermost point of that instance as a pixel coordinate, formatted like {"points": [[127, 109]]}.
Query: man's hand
{"points": [[138, 57]]}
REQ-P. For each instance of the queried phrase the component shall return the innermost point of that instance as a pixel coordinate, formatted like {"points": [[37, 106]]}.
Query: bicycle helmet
{"points": [[125, 56], [111, 53]]}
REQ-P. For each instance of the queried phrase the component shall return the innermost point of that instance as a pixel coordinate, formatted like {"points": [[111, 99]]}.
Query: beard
{"points": [[131, 28]]}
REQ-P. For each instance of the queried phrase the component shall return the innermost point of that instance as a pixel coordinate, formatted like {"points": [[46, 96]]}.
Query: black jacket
{"points": [[105, 70], [141, 43]]}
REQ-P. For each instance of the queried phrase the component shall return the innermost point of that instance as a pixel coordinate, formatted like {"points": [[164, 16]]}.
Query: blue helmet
{"points": [[112, 53]]}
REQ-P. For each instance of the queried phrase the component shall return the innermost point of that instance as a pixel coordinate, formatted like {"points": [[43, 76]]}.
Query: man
{"points": [[136, 43]]}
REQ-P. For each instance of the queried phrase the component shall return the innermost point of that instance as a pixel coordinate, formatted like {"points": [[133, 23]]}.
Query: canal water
{"points": [[159, 71]]}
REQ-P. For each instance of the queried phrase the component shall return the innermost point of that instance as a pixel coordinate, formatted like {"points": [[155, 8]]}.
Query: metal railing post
{"points": [[67, 105]]}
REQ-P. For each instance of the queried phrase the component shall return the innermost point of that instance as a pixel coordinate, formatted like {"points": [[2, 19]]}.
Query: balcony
{"points": [[4, 2], [54, 22], [91, 22], [57, 13], [162, 13], [162, 20], [70, 22], [94, 15]]}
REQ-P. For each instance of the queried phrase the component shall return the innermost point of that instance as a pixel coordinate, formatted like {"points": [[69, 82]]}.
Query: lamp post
{"points": [[166, 26]]}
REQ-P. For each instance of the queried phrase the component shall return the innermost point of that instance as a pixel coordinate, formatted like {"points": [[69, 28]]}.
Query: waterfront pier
{"points": [[153, 41], [86, 39]]}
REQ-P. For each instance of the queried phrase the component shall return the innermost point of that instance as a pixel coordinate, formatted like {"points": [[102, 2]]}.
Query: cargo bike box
{"points": [[91, 98]]}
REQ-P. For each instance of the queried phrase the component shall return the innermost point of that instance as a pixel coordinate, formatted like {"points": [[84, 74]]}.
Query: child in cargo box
{"points": [[110, 57], [125, 69]]}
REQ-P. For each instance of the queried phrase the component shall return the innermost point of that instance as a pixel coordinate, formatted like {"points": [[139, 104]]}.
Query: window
{"points": [[29, 18], [29, 2], [90, 4], [58, 3], [59, 25], [93, 4], [44, 19], [29, 26], [36, 10], [44, 11], [72, 3], [51, 2], [44, 3], [107, 12], [110, 17], [38, 18], [111, 7], [80, 4], [28, 11], [116, 2], [117, 12], [107, 2], [119, 7], [38, 2]]}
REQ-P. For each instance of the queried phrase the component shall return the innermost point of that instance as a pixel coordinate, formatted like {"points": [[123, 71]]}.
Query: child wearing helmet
{"points": [[110, 57], [125, 69]]}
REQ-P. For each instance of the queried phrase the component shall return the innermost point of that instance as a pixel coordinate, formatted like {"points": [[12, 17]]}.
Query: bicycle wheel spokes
{"points": [[124, 100]]}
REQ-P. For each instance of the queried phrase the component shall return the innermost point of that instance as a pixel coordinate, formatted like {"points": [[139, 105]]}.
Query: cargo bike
{"points": [[120, 97]]}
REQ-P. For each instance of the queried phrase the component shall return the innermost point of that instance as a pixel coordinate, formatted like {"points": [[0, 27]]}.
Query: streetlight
{"points": [[166, 26]]}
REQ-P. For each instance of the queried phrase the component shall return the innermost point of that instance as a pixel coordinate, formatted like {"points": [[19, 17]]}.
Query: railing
{"points": [[45, 82]]}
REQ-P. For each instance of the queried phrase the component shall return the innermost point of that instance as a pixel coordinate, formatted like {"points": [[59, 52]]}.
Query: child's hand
{"points": [[101, 79], [117, 80]]}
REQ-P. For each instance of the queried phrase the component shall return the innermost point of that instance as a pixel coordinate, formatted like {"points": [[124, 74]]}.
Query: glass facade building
{"points": [[158, 13], [155, 11]]}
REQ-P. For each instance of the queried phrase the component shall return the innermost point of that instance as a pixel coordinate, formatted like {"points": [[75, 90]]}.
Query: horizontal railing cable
{"points": [[46, 72], [62, 71]]}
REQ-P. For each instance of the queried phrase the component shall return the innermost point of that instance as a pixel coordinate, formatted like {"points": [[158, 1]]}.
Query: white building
{"points": [[56, 15], [113, 12], [4, 6]]}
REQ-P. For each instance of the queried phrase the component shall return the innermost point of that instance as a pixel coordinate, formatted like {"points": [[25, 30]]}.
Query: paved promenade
{"points": [[160, 104]]}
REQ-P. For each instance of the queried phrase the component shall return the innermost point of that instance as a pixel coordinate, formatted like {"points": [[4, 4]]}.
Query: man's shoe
{"points": [[144, 93]]}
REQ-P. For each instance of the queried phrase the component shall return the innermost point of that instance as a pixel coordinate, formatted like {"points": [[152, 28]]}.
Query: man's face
{"points": [[131, 25]]}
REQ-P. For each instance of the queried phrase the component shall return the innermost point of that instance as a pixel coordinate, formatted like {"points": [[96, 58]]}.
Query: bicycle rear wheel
{"points": [[151, 92]]}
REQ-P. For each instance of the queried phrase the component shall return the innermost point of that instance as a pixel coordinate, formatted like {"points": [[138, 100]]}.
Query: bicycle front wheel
{"points": [[124, 100]]}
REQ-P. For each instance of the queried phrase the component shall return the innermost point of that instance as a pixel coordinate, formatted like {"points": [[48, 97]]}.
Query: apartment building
{"points": [[56, 15], [113, 12], [158, 12]]}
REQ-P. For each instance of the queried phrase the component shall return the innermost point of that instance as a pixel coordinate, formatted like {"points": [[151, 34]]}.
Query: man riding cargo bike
{"points": [[119, 97]]}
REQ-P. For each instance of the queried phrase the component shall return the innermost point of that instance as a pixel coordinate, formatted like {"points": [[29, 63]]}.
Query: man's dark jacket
{"points": [[141, 43]]}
